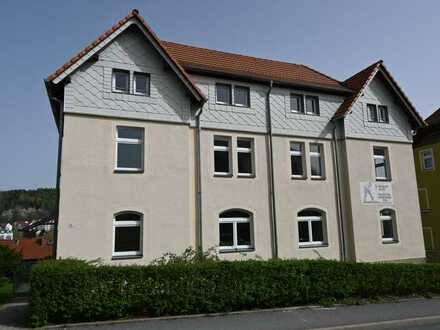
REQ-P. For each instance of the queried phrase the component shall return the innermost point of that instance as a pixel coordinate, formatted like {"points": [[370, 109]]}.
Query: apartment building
{"points": [[165, 146], [426, 155]]}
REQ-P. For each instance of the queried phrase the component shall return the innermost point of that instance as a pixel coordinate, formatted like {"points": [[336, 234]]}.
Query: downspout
{"points": [[271, 177], [60, 148], [338, 194], [199, 236]]}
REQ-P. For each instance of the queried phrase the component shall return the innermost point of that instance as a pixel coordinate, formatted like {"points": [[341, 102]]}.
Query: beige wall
{"points": [[91, 193], [366, 230]]}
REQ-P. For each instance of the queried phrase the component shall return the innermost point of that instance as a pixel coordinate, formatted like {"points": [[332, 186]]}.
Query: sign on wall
{"points": [[376, 193]]}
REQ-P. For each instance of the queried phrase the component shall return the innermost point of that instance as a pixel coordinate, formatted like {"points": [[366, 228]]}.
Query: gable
{"points": [[90, 87], [379, 92]]}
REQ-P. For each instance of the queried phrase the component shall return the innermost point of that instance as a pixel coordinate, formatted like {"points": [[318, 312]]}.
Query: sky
{"points": [[339, 38]]}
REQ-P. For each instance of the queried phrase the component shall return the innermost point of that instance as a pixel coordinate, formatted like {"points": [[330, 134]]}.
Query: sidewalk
{"points": [[408, 314]]}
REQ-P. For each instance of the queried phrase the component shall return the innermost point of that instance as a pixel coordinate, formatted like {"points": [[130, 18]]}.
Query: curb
{"points": [[388, 325]]}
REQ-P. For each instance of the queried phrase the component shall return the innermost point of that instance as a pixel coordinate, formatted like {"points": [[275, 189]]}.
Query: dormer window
{"points": [[121, 81], [227, 94]]}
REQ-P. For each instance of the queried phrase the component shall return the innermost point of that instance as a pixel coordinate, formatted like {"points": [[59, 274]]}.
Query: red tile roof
{"points": [[434, 118], [30, 248], [208, 60], [357, 83]]}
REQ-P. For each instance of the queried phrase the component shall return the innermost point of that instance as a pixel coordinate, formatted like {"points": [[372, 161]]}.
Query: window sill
{"points": [[117, 170], [245, 176], [318, 178], [139, 256], [390, 242], [233, 105], [308, 246], [223, 175], [236, 250], [120, 92], [382, 180], [298, 177]]}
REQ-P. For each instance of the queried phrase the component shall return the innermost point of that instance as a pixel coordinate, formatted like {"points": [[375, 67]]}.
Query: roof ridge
{"points": [[237, 54]]}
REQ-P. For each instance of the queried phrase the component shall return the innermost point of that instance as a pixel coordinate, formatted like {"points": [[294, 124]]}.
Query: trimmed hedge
{"points": [[74, 291], [9, 261]]}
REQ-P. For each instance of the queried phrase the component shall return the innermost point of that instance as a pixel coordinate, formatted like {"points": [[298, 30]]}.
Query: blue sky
{"points": [[336, 37]]}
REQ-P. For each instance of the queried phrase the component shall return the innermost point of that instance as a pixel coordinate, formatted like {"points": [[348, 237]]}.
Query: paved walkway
{"points": [[420, 314]]}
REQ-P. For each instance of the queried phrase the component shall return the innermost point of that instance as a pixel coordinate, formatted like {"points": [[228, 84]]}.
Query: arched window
{"points": [[388, 225], [311, 228], [127, 234], [235, 231]]}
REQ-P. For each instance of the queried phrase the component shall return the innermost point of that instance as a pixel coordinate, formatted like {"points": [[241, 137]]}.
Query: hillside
{"points": [[27, 204]]}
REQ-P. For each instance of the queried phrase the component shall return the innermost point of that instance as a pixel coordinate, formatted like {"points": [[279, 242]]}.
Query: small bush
{"points": [[5, 290], [74, 291], [9, 261]]}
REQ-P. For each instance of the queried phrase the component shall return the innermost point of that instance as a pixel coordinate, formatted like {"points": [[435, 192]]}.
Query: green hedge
{"points": [[9, 261], [5, 290], [73, 291]]}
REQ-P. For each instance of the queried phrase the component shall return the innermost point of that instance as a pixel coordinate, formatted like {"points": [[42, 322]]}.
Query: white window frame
{"points": [[128, 223], [129, 141], [233, 96], [147, 75], [114, 89], [309, 220], [318, 111], [379, 114], [386, 162], [393, 220], [423, 157], [320, 155], [302, 155], [302, 98], [235, 246], [247, 151], [223, 149]]}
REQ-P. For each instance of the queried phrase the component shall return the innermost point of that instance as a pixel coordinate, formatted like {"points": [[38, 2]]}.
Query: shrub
{"points": [[5, 290], [73, 291], [9, 261]]}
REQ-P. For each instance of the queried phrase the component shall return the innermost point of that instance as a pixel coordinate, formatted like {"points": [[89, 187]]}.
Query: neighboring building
{"points": [[426, 155], [31, 249], [165, 146], [6, 232]]}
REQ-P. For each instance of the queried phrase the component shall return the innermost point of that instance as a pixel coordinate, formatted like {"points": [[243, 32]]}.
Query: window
{"points": [[245, 157], [425, 204], [427, 159], [297, 159], [130, 149], [141, 83], [383, 114], [297, 103], [381, 163], [222, 161], [223, 93], [377, 114], [235, 231], [312, 105], [372, 112], [241, 96], [127, 234], [316, 161], [388, 226], [311, 228], [120, 81]]}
